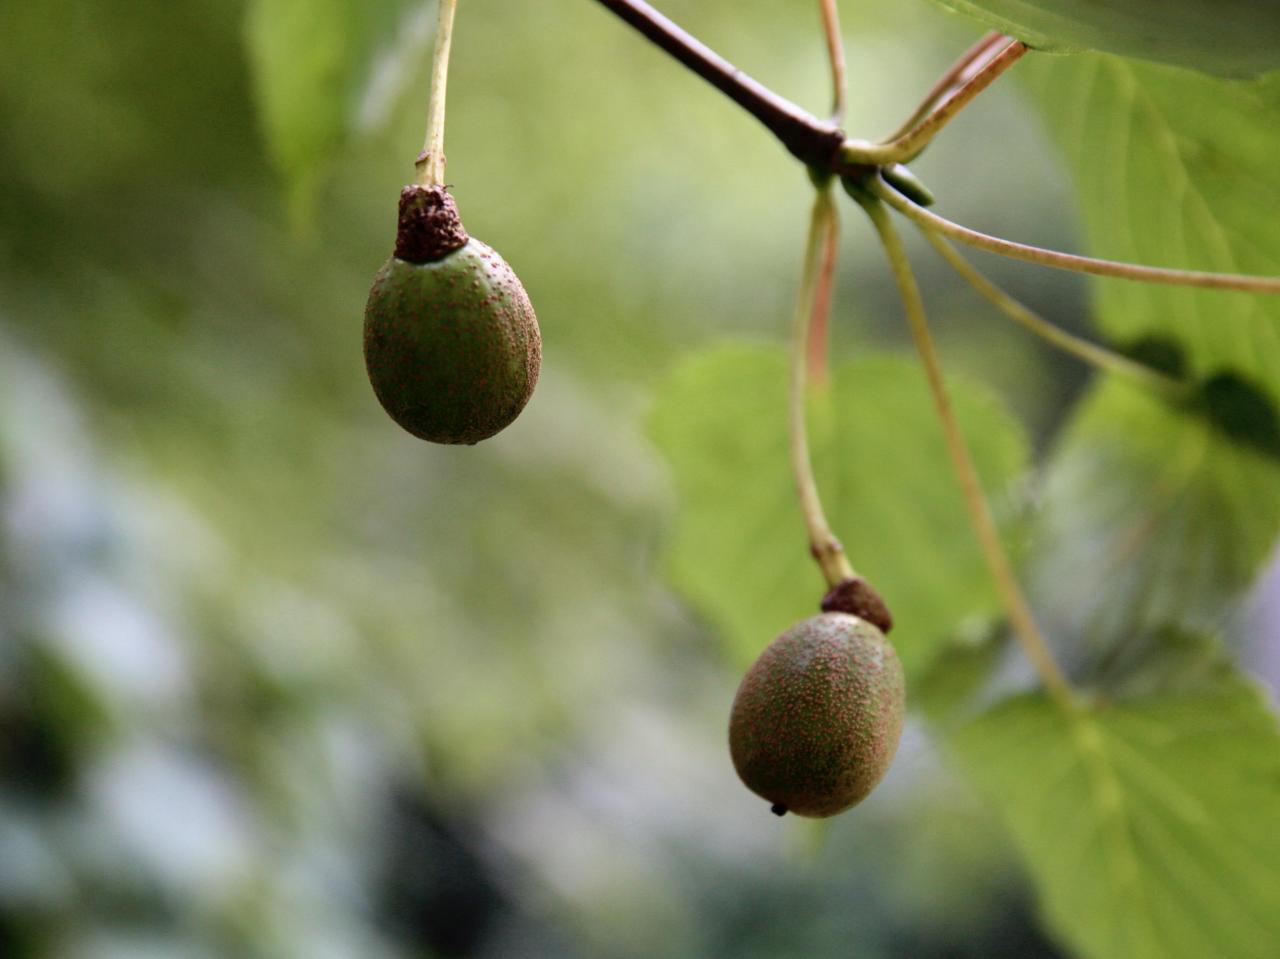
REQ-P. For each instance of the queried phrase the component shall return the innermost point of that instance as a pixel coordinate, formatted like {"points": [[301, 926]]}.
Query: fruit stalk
{"points": [[956, 75], [824, 546], [1025, 628], [909, 145], [1096, 356], [926, 219], [835, 53], [431, 161], [820, 316]]}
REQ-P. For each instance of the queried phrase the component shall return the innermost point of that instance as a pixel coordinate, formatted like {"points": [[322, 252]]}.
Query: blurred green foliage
{"points": [[277, 680], [878, 456]]}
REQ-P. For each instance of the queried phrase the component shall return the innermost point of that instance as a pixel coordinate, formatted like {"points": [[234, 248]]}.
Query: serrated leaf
{"points": [[739, 552], [1176, 169], [1149, 825], [1152, 515], [1237, 38], [312, 61]]}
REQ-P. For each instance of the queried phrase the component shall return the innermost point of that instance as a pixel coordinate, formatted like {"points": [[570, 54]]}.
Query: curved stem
{"points": [[955, 75], [1016, 607], [1097, 356], [835, 53], [909, 145], [431, 161], [1070, 261], [823, 545]]}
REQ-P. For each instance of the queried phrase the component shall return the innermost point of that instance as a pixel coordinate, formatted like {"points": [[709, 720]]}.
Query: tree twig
{"points": [[815, 142], [823, 146]]}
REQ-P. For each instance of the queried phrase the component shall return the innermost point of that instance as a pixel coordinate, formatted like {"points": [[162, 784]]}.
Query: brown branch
{"points": [[823, 146], [813, 141]]}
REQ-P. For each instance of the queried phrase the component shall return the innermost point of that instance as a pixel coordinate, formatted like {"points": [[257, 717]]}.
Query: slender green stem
{"points": [[1069, 261], [1016, 607], [910, 144], [1097, 356], [431, 160], [955, 75], [835, 53], [824, 546]]}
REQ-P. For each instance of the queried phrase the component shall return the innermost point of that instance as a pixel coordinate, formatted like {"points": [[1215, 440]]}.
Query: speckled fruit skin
{"points": [[818, 716], [452, 346]]}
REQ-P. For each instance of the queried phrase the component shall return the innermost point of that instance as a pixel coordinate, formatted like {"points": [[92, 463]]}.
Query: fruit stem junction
{"points": [[824, 546], [431, 161]]}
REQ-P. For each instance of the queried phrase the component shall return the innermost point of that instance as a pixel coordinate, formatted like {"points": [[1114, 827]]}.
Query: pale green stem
{"points": [[955, 75], [835, 53], [1025, 628], [1097, 356], [1069, 261], [823, 545], [431, 161], [909, 145]]}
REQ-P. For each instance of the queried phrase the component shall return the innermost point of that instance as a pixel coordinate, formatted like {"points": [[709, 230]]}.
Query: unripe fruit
{"points": [[451, 342], [818, 716]]}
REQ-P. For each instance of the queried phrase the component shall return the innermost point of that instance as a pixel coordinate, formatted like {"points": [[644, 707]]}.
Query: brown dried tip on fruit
{"points": [[451, 342], [817, 718], [857, 597]]}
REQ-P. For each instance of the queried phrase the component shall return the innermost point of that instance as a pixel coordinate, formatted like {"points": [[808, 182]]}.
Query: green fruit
{"points": [[451, 342], [818, 716]]}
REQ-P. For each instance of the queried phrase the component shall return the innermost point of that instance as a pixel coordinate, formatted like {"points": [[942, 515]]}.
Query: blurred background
{"points": [[278, 680]]}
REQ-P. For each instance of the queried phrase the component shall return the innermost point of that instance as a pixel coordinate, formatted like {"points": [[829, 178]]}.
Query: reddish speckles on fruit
{"points": [[818, 716], [451, 342]]}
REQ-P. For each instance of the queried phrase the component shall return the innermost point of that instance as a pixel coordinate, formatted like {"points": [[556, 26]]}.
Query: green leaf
{"points": [[1176, 169], [1150, 825], [1231, 37], [1151, 515], [739, 551], [312, 64], [1155, 515]]}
